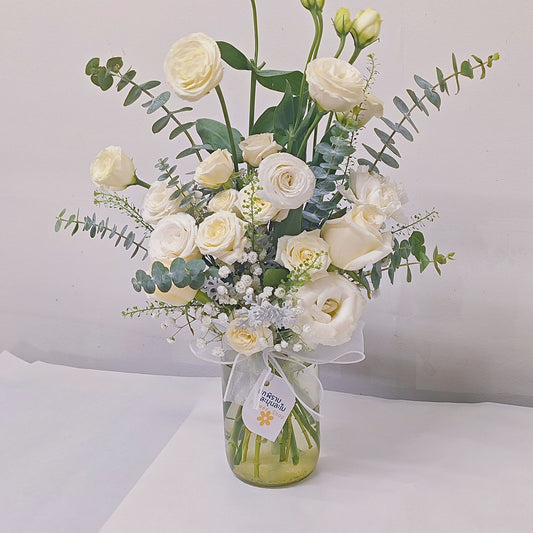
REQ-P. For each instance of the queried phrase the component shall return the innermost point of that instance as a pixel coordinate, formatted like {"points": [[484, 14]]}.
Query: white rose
{"points": [[256, 147], [254, 209], [247, 341], [214, 170], [193, 66], [367, 214], [113, 170], [354, 244], [332, 306], [295, 251], [157, 204], [225, 200], [334, 84], [222, 236], [285, 181], [370, 108], [175, 296], [174, 236], [372, 188]]}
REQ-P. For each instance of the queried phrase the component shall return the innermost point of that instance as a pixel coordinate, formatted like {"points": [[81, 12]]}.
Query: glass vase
{"points": [[265, 463]]}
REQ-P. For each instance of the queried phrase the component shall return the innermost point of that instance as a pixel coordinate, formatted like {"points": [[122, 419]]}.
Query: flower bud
{"points": [[342, 22], [366, 26], [313, 4]]}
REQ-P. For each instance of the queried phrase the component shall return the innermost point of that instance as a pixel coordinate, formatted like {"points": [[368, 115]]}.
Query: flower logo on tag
{"points": [[265, 418]]}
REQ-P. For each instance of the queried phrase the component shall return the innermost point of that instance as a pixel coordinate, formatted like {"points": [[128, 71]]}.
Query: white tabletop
{"points": [[83, 450]]}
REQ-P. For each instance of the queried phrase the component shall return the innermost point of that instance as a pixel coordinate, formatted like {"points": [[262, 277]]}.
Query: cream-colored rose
{"points": [[255, 210], [354, 244], [366, 26], [174, 236], [247, 341], [371, 107], [113, 170], [367, 214], [175, 296], [256, 147], [304, 250], [193, 66], [374, 189], [214, 170], [285, 181], [157, 204], [334, 84], [225, 200], [332, 306], [222, 236]]}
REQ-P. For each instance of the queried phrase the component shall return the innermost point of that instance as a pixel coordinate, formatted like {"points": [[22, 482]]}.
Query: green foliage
{"points": [[214, 135], [233, 57], [115, 201], [274, 276]]}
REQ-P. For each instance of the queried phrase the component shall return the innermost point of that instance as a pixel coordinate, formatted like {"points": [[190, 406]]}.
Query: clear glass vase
{"points": [[265, 463]]}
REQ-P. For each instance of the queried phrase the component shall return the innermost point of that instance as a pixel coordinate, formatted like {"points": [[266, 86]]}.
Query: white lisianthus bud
{"points": [[252, 208], [222, 236], [256, 147], [366, 26], [157, 204], [113, 170], [313, 4], [342, 22], [214, 170], [225, 200], [246, 341], [334, 84], [285, 181], [193, 66]]}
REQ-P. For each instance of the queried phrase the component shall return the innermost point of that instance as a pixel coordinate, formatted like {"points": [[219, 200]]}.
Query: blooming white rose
{"points": [[257, 210], [285, 181], [332, 306], [366, 26], [256, 147], [175, 296], [353, 244], [222, 236], [225, 200], [373, 188], [307, 248], [334, 84], [367, 214], [214, 170], [113, 170], [193, 66], [174, 236], [247, 341], [157, 204]]}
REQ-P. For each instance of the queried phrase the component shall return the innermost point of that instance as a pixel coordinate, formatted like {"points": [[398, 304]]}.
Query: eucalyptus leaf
{"points": [[159, 124], [158, 101], [133, 95], [180, 129]]}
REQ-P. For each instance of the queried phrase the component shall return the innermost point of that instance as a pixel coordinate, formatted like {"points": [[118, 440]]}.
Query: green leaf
{"points": [[375, 275], [274, 276], [389, 160], [481, 64], [196, 266], [265, 123], [405, 249], [276, 80], [92, 66], [114, 64], [215, 134], [442, 82], [161, 276], [180, 129], [233, 57], [409, 274], [194, 149], [456, 71], [133, 95], [466, 69], [292, 225], [159, 124], [404, 110], [285, 113], [197, 280], [433, 97], [417, 102], [422, 83], [126, 79], [177, 272], [398, 128], [158, 101], [149, 85]]}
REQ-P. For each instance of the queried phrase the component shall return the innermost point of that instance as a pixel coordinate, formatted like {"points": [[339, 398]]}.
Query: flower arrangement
{"points": [[269, 253]]}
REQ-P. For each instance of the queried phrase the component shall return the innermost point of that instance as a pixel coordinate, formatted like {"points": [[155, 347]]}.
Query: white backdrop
{"points": [[467, 336]]}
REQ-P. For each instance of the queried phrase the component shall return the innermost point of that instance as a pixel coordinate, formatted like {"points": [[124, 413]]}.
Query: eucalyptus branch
{"points": [[115, 201]]}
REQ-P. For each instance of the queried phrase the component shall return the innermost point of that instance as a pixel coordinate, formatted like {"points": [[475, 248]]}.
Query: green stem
{"points": [[253, 78], [141, 183], [302, 427], [355, 54], [309, 131], [228, 127], [245, 444], [257, 456], [320, 31], [341, 46]]}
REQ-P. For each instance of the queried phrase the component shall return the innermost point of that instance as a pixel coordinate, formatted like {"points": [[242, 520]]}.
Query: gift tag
{"points": [[264, 412]]}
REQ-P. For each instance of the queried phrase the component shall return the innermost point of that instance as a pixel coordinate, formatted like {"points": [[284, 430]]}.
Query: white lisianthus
{"points": [[353, 244], [373, 188], [214, 170], [366, 26], [174, 236], [157, 205], [113, 170], [285, 181], [332, 306], [193, 66], [305, 249], [334, 84], [254, 209], [222, 235], [225, 200], [256, 147], [175, 296], [247, 341]]}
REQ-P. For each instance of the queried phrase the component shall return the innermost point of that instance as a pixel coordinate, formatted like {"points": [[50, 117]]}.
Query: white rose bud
{"points": [[354, 244], [174, 236], [256, 147], [366, 26], [222, 236], [285, 181], [247, 341], [214, 170], [113, 170], [225, 200], [193, 66], [334, 84], [332, 307], [254, 209], [157, 204], [307, 248]]}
